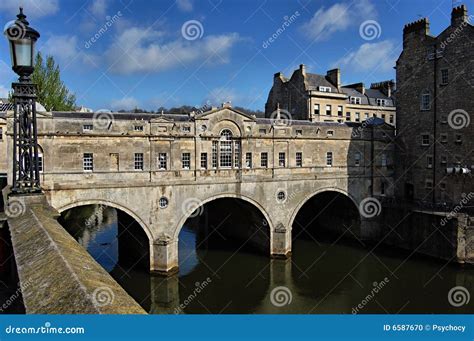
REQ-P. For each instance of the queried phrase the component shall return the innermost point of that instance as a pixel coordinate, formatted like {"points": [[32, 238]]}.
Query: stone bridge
{"points": [[276, 166]]}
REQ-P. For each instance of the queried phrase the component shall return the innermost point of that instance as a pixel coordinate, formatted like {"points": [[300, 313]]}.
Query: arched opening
{"points": [[328, 215], [112, 237], [226, 240]]}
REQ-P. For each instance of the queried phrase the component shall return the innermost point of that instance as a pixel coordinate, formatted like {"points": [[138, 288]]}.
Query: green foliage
{"points": [[52, 93]]}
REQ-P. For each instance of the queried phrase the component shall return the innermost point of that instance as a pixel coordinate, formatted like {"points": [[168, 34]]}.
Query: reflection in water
{"points": [[321, 277]]}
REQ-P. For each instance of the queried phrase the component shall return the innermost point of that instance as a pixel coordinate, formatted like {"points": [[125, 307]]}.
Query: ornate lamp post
{"points": [[22, 40]]}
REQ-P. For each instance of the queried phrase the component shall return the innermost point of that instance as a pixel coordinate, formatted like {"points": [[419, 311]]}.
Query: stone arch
{"points": [[254, 203], [145, 228], [313, 194], [231, 125]]}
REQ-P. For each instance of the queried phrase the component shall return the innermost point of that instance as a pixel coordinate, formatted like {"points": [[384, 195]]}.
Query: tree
{"points": [[52, 93]]}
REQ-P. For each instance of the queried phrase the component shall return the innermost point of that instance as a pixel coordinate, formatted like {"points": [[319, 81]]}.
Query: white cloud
{"points": [[185, 5], [33, 8], [338, 17], [98, 7], [61, 47], [125, 103], [140, 50], [378, 56]]}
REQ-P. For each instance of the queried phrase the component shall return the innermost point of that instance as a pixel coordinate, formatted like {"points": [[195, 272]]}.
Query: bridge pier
{"points": [[281, 242], [164, 256]]}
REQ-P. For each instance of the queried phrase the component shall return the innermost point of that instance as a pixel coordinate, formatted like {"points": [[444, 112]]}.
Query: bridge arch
{"points": [[142, 224], [310, 196], [190, 210]]}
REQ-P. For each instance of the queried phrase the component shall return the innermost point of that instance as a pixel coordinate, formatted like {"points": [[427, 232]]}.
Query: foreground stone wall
{"points": [[57, 275]]}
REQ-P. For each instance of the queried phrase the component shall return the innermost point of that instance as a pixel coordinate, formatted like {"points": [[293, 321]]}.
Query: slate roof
{"points": [[314, 81]]}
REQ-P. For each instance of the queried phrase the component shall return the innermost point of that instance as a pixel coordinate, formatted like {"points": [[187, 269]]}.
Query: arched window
{"points": [[225, 149]]}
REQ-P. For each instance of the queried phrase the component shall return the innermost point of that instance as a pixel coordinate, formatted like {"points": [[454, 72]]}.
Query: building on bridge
{"points": [[435, 104], [322, 98], [160, 168]]}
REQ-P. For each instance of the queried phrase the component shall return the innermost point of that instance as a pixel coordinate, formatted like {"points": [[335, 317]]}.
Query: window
{"points": [[425, 101], [248, 160], [366, 116], [384, 160], [281, 196], [262, 131], [458, 138], [237, 154], [444, 76], [355, 100], [444, 119], [40, 162], [163, 202], [299, 132], [299, 159], [348, 116], [357, 158], [87, 127], [329, 159], [357, 116], [281, 159], [186, 160], [380, 102], [324, 89], [428, 184], [225, 150], [442, 186], [214, 153], [186, 129], [374, 115], [425, 140], [444, 138], [328, 109], [429, 162], [1, 133], [316, 109], [264, 160], [382, 188], [162, 160], [138, 128], [391, 119], [444, 160], [383, 117], [339, 110], [330, 133], [203, 160], [88, 162], [138, 161]]}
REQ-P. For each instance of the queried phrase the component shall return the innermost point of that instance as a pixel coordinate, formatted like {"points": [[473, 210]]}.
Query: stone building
{"points": [[319, 98], [435, 104]]}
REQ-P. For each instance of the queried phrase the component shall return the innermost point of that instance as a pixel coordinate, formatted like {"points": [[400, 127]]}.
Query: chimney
{"points": [[459, 16], [277, 76], [417, 28], [303, 69], [334, 76]]}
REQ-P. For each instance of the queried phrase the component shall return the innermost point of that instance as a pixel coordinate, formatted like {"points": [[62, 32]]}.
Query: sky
{"points": [[122, 54]]}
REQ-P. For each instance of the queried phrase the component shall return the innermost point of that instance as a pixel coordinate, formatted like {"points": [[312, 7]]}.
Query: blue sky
{"points": [[168, 53]]}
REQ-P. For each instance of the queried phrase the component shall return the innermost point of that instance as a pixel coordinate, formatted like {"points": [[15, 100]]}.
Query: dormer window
{"points": [[186, 129], [138, 128], [324, 89], [380, 102], [355, 100], [87, 127]]}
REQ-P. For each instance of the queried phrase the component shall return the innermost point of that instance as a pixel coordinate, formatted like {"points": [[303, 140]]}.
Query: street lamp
{"points": [[22, 40]]}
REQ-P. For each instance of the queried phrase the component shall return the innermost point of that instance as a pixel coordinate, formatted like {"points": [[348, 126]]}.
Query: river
{"points": [[321, 276]]}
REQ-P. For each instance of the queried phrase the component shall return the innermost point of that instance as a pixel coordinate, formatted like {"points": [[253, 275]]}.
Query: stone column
{"points": [[281, 242], [164, 255]]}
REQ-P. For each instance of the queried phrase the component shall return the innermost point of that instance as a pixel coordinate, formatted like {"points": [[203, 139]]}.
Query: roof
{"points": [[314, 81], [119, 115], [6, 106]]}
